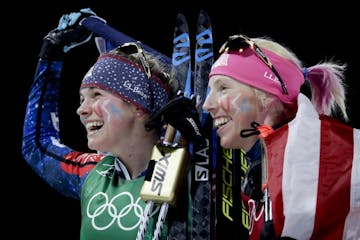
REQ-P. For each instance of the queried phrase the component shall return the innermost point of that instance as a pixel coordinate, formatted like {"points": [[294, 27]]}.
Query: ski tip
{"points": [[180, 16], [203, 13], [204, 19], [180, 20]]}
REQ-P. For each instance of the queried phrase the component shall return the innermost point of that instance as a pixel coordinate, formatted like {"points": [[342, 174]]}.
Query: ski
{"points": [[181, 74], [230, 213], [181, 56], [202, 218]]}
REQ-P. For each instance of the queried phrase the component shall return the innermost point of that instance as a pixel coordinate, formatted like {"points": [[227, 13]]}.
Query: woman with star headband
{"points": [[303, 163], [119, 95]]}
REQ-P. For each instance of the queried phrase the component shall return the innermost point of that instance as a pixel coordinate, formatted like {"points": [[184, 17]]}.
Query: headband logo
{"points": [[135, 89], [222, 61], [271, 77]]}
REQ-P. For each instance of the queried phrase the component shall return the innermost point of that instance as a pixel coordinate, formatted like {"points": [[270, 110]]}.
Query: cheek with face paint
{"points": [[242, 105], [224, 103], [235, 104], [241, 108], [99, 108], [246, 113], [110, 111]]}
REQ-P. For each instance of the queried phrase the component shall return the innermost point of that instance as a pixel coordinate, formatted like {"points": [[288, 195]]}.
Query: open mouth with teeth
{"points": [[219, 122], [94, 126]]}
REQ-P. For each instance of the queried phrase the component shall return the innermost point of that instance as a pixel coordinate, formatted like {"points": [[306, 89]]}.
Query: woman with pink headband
{"points": [[303, 178], [119, 94]]}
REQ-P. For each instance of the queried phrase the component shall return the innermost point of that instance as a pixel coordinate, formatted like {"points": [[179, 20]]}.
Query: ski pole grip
{"points": [[169, 137]]}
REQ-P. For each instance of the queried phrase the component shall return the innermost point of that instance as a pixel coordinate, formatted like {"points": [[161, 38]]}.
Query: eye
{"points": [[223, 88], [125, 100], [97, 94]]}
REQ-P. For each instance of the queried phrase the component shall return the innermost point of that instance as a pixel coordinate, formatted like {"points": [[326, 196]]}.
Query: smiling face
{"points": [[233, 106], [105, 117]]}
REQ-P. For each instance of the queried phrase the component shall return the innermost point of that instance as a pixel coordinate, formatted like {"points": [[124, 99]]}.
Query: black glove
{"points": [[69, 33], [181, 113]]}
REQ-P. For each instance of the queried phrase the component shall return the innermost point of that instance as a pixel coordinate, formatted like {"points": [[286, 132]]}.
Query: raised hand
{"points": [[68, 34]]}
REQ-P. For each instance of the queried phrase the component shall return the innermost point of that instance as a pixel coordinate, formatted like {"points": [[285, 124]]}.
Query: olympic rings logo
{"points": [[109, 209]]}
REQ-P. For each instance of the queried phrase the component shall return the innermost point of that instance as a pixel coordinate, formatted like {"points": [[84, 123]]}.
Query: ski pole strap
{"points": [[145, 220], [161, 219]]}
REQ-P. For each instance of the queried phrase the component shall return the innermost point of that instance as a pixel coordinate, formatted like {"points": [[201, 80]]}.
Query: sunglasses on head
{"points": [[240, 43], [132, 48]]}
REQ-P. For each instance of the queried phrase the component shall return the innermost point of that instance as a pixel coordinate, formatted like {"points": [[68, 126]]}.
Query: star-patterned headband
{"points": [[128, 81]]}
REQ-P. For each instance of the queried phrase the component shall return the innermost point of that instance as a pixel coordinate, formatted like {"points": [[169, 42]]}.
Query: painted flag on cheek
{"points": [[314, 178]]}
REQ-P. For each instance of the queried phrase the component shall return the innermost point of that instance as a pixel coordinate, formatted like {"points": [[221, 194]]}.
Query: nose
{"points": [[208, 104], [84, 108]]}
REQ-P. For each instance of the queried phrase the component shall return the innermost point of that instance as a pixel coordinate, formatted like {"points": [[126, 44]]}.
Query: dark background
{"points": [[34, 209]]}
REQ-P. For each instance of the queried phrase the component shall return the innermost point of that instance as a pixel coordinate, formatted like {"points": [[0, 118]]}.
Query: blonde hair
{"points": [[326, 80]]}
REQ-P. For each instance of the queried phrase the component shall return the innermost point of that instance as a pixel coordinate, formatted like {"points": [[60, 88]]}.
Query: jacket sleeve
{"points": [[60, 166]]}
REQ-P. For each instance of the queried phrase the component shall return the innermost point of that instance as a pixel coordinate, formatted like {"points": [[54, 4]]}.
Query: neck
{"points": [[135, 154]]}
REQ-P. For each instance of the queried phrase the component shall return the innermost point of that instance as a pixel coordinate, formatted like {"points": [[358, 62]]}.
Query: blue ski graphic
{"points": [[181, 74], [203, 221]]}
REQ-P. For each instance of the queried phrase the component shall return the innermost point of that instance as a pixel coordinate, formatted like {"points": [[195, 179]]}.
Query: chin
{"points": [[234, 142], [93, 146], [225, 143]]}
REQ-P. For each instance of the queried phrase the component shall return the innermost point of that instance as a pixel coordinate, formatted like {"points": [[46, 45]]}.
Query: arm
{"points": [[63, 168], [115, 38]]}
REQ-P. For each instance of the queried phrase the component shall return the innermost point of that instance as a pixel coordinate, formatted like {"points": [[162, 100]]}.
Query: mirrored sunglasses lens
{"points": [[129, 48], [237, 43], [132, 48]]}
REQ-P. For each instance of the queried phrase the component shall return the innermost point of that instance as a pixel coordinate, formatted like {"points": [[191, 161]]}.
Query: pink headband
{"points": [[248, 68]]}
